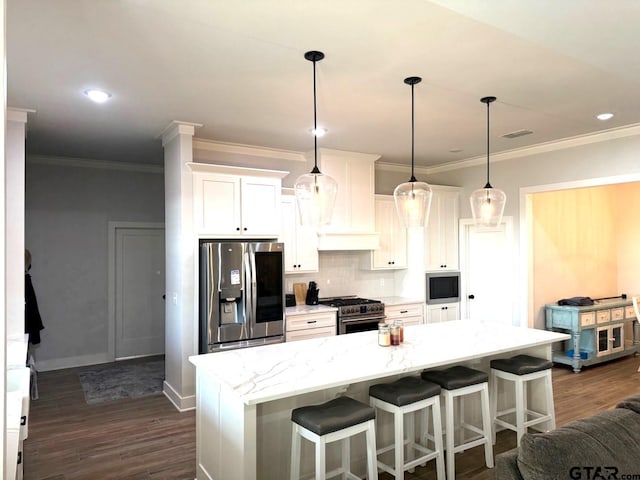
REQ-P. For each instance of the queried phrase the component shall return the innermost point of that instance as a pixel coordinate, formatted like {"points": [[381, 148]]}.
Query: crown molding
{"points": [[90, 163], [249, 150], [570, 142]]}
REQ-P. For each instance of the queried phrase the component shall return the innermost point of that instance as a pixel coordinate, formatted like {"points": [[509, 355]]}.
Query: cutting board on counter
{"points": [[300, 291]]}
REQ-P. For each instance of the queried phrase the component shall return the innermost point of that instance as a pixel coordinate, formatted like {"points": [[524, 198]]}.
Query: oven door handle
{"points": [[361, 319]]}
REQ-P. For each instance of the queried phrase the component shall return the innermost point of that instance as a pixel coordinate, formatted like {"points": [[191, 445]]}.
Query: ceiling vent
{"points": [[517, 133]]}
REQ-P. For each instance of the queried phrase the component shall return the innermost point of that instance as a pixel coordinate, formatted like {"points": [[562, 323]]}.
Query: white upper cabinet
{"points": [[441, 237], [353, 223], [237, 202], [300, 242], [392, 253]]}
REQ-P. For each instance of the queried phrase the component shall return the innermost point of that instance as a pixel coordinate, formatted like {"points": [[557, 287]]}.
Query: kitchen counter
{"points": [[244, 397], [391, 301], [302, 309]]}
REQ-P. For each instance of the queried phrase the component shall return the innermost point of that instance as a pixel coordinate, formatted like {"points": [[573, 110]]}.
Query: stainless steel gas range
{"points": [[356, 314]]}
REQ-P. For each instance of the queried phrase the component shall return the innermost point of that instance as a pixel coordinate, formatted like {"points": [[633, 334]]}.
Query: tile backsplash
{"points": [[341, 274]]}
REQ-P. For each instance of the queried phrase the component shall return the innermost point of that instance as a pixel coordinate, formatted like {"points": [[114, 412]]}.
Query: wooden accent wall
{"points": [[575, 245]]}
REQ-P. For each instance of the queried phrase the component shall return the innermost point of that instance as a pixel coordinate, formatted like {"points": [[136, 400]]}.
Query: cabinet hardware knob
{"points": [[245, 229], [404, 311], [238, 229], [471, 297], [311, 321]]}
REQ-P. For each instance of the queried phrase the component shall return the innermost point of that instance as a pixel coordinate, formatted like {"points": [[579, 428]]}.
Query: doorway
{"points": [[136, 289], [487, 272]]}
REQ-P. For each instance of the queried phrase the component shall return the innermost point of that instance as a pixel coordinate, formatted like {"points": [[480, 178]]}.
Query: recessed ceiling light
{"points": [[604, 116], [455, 150], [319, 132], [98, 96]]}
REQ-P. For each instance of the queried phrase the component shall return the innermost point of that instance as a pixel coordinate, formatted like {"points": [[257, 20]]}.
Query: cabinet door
{"points": [[261, 206], [216, 208], [441, 249], [354, 208], [393, 236], [443, 312], [301, 242]]}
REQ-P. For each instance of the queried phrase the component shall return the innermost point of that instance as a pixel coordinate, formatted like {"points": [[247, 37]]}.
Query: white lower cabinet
{"points": [[443, 312], [409, 313], [310, 325]]}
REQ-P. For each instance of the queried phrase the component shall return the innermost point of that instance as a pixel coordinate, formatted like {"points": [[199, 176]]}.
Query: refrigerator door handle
{"points": [[249, 307]]}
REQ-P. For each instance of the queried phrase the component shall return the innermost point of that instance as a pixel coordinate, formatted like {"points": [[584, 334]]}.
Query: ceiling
{"points": [[238, 68]]}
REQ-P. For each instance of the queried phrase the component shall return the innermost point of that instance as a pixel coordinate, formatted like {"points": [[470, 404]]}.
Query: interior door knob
{"points": [[471, 297]]}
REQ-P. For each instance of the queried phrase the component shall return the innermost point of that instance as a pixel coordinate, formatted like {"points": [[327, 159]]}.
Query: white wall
{"points": [[68, 207]]}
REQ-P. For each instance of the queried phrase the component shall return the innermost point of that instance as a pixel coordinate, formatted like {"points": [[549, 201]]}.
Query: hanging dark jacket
{"points": [[32, 320]]}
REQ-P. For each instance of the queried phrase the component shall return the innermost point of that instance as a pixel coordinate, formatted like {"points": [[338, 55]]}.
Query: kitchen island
{"points": [[244, 397]]}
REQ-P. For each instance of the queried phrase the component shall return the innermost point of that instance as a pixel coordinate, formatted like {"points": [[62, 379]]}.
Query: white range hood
{"points": [[353, 222]]}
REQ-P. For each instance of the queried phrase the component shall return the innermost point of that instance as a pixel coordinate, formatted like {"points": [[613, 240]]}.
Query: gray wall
{"points": [[67, 210]]}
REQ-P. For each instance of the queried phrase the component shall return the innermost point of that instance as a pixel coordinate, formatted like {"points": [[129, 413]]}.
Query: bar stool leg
{"points": [[437, 434], [321, 474], [346, 456], [295, 453], [486, 426], [549, 395], [449, 435], [520, 410], [411, 435], [493, 397], [372, 460], [398, 438]]}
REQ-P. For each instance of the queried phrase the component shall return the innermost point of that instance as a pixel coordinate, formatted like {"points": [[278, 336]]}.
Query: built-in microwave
{"points": [[443, 287]]}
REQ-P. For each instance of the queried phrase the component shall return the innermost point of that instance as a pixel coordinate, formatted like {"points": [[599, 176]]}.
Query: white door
{"points": [[139, 289], [488, 275]]}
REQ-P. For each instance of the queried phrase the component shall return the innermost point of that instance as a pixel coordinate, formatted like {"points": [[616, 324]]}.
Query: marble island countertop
{"points": [[261, 374]]}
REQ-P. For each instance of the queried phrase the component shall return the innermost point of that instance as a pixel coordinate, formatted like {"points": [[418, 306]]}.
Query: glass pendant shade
{"points": [[413, 202], [413, 198], [487, 204], [315, 192], [316, 197]]}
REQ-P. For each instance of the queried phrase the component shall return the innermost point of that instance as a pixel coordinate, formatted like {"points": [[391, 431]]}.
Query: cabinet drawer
{"points": [[406, 321], [603, 316], [629, 312], [587, 318], [308, 333], [311, 320], [617, 313], [402, 311]]}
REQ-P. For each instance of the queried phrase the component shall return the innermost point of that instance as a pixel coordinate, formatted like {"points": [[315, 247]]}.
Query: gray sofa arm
{"points": [[507, 466]]}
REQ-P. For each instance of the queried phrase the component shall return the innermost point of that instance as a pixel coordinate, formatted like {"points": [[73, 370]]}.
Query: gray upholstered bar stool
{"points": [[408, 395], [458, 382], [520, 370], [337, 419]]}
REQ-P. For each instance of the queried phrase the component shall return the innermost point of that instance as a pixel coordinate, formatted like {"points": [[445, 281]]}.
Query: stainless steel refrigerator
{"points": [[242, 301]]}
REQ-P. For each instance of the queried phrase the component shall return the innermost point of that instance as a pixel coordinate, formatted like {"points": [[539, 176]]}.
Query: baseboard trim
{"points": [[71, 362], [182, 404]]}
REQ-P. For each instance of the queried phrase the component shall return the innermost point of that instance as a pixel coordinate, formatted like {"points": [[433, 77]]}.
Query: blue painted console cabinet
{"points": [[598, 332]]}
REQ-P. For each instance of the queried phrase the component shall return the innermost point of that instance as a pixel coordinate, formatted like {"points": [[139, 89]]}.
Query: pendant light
{"points": [[413, 198], [315, 191], [487, 204]]}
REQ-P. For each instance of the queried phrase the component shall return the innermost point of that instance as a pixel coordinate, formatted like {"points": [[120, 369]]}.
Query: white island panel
{"points": [[244, 397]]}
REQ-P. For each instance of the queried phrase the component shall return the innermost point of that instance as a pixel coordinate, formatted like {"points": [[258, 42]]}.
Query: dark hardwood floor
{"points": [[147, 438]]}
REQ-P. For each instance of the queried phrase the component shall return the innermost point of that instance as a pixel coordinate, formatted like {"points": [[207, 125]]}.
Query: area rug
{"points": [[115, 381]]}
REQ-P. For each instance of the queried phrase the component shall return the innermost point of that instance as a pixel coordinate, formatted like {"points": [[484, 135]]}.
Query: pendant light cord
{"points": [[315, 121], [488, 101], [488, 185], [413, 177], [314, 56]]}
